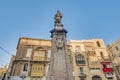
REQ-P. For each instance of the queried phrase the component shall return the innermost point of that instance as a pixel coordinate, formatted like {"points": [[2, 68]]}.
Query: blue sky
{"points": [[84, 19]]}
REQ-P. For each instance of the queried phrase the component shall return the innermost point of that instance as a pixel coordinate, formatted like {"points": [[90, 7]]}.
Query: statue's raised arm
{"points": [[58, 17]]}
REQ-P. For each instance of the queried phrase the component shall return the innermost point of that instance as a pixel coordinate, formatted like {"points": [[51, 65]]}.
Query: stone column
{"points": [[60, 68]]}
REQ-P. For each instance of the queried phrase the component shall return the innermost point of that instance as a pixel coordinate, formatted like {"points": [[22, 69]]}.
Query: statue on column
{"points": [[60, 67], [58, 17]]}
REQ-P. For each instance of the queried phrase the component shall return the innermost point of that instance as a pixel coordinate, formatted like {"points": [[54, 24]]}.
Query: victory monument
{"points": [[60, 68]]}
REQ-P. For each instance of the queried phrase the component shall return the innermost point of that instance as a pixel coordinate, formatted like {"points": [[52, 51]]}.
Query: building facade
{"points": [[90, 60], [114, 53], [31, 59]]}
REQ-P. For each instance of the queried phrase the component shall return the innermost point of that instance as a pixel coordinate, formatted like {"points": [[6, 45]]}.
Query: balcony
{"points": [[82, 75], [109, 75], [41, 61], [107, 70]]}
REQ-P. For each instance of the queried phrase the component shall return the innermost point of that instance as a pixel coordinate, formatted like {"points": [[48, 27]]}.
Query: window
{"points": [[98, 44], [49, 53], [39, 54], [101, 54], [29, 52], [80, 59], [95, 70], [117, 49], [38, 70]]}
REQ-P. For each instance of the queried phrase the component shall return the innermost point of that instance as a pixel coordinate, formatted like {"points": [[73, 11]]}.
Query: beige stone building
{"points": [[3, 71], [31, 60], [90, 60], [114, 52]]}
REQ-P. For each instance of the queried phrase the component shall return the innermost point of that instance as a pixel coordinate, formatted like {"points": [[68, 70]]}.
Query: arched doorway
{"points": [[96, 78]]}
